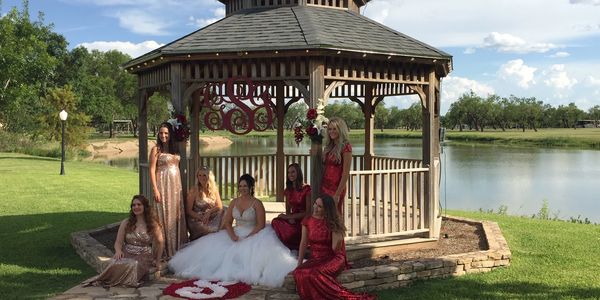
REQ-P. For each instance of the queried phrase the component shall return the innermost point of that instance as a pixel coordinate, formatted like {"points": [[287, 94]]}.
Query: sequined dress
{"points": [[201, 205], [132, 268], [332, 175], [290, 233], [170, 210], [316, 277], [258, 259]]}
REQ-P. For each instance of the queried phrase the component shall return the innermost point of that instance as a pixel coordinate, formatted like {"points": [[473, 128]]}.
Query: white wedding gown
{"points": [[258, 259]]}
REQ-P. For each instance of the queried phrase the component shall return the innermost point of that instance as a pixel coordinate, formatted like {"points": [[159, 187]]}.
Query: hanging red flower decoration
{"points": [[314, 130], [311, 114], [181, 128]]}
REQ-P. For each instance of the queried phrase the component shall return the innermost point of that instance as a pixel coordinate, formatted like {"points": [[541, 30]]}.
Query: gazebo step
{"points": [[375, 249]]}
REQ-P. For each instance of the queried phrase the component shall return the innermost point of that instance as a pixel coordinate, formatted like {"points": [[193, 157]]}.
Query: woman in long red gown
{"points": [[323, 233], [297, 205], [337, 157]]}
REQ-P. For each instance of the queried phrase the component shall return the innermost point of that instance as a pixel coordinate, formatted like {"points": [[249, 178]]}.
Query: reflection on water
{"points": [[478, 176]]}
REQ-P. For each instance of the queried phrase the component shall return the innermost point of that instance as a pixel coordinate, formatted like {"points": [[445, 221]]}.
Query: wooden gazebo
{"points": [[283, 51]]}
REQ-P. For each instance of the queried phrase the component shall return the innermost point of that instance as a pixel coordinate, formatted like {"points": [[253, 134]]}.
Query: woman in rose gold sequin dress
{"points": [[204, 208], [133, 247], [166, 185]]}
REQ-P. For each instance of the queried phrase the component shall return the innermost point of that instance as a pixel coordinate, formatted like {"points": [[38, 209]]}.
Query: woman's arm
{"points": [[119, 240], [286, 215], [303, 244], [159, 244], [299, 216], [347, 158], [189, 207], [260, 217], [228, 221], [218, 202], [153, 161], [336, 241]]}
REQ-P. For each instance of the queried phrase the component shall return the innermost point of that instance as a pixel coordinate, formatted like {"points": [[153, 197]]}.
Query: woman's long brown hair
{"points": [[149, 215], [331, 216]]}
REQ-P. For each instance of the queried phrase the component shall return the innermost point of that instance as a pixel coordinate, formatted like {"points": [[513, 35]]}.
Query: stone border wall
{"points": [[396, 275], [393, 275]]}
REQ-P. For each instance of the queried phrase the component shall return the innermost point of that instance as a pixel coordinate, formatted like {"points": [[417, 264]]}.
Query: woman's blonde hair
{"points": [[211, 187], [336, 148]]}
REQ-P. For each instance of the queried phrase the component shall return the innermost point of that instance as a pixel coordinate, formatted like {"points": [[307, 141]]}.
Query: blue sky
{"points": [[548, 49]]}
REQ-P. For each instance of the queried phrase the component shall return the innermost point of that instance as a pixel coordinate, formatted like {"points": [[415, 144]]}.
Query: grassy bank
{"points": [[551, 259], [555, 137]]}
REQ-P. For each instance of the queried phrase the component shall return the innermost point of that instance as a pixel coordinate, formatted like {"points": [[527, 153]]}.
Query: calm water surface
{"points": [[483, 176]]}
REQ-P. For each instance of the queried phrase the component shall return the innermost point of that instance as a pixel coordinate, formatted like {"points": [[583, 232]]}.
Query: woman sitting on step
{"points": [[133, 248], [323, 233], [204, 208], [297, 206], [249, 252]]}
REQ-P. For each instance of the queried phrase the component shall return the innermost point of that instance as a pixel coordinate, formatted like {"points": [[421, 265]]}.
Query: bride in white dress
{"points": [[249, 252]]}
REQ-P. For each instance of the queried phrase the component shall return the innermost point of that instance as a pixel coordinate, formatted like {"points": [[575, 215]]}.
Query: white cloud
{"points": [[464, 23], [504, 42], [453, 87], [469, 50], [140, 22], [558, 78], [593, 81], [218, 14], [588, 2], [134, 50], [517, 70], [560, 54]]}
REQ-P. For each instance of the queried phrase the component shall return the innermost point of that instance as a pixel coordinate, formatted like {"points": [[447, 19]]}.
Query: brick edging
{"points": [[372, 278]]}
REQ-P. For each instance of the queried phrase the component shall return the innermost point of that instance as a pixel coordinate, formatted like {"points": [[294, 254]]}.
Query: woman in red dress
{"points": [[297, 206], [337, 157], [323, 233]]}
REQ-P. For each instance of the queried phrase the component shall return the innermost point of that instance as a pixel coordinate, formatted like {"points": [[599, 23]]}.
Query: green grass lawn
{"points": [[551, 259], [38, 212]]}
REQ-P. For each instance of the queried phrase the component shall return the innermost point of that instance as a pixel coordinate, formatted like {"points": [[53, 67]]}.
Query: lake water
{"points": [[483, 176]]}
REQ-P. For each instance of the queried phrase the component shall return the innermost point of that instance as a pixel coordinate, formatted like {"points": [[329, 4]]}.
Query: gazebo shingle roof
{"points": [[296, 27]]}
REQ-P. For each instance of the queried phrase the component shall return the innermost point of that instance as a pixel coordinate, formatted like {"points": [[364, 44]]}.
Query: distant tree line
{"points": [[494, 112]]}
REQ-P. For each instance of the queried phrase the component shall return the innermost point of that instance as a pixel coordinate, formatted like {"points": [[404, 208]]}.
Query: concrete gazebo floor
{"points": [[392, 275]]}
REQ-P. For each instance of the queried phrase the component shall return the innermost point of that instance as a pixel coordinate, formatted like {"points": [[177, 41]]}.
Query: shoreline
{"points": [[115, 149]]}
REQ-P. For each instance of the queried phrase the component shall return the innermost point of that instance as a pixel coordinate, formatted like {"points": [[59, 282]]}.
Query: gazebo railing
{"points": [[385, 202], [228, 169]]}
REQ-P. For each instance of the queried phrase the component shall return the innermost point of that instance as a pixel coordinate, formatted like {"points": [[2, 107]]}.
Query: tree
{"points": [[158, 111], [295, 112], [56, 100], [28, 58], [382, 115], [594, 114], [349, 112]]}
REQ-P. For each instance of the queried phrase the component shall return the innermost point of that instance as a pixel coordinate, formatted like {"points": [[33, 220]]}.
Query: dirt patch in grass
{"points": [[455, 237]]}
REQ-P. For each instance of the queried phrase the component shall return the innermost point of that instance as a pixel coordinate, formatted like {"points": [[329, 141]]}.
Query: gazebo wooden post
{"points": [[316, 82], [369, 110], [194, 138], [280, 156], [179, 105], [143, 141], [429, 149]]}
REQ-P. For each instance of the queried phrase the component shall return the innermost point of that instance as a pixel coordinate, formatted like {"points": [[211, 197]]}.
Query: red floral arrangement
{"points": [[181, 129], [313, 129], [201, 289]]}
